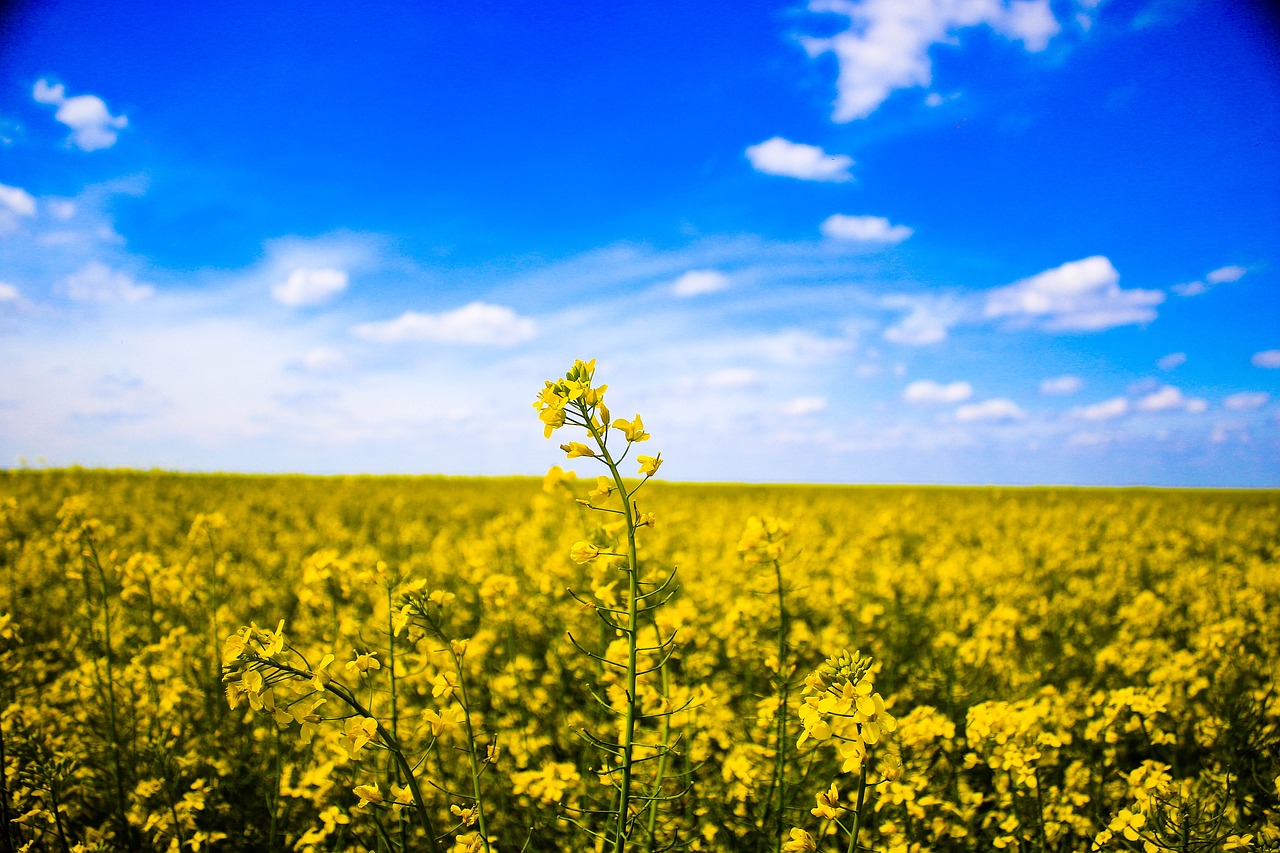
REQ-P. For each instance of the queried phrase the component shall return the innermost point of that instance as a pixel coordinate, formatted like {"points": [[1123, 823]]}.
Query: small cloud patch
{"points": [[309, 287], [778, 156], [92, 125], [699, 282], [864, 229], [478, 323]]}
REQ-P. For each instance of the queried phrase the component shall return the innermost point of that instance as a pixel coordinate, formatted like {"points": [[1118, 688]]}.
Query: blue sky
{"points": [[952, 241]]}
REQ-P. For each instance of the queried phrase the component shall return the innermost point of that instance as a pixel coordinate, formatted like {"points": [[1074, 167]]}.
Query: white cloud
{"points": [[998, 409], [698, 282], [928, 391], [1107, 409], [1246, 401], [732, 378], [474, 323], [92, 125], [310, 287], [324, 359], [96, 282], [798, 347], [8, 293], [866, 229], [1266, 358], [927, 321], [1225, 274], [1222, 275], [805, 406], [1162, 400], [17, 200], [1172, 360], [1061, 385], [886, 46], [778, 156], [61, 209], [1082, 295]]}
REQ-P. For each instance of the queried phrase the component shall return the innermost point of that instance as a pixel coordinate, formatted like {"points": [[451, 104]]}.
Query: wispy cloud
{"points": [[1246, 401], [1105, 410], [778, 156], [864, 229], [1226, 274], [886, 46], [475, 323], [92, 124], [1168, 398], [1061, 385], [310, 287], [17, 201], [997, 409], [804, 406], [1267, 358], [1082, 295], [96, 282], [927, 321], [930, 392], [699, 282], [1172, 360], [1222, 275]]}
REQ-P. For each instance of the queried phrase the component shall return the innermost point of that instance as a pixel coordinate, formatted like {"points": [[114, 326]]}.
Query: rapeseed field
{"points": [[611, 662]]}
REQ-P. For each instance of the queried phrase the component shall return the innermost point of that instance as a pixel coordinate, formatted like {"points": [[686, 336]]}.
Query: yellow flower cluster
{"points": [[1056, 669]]}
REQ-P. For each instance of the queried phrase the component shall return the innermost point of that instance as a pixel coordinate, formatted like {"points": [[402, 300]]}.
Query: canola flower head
{"points": [[828, 807], [583, 552], [632, 429], [799, 842], [649, 465]]}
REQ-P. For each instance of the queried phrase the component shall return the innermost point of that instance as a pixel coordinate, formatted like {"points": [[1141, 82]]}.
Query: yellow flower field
{"points": [[210, 662]]}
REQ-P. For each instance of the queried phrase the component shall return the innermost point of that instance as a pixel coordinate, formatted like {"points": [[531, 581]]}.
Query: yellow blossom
{"points": [[828, 806], [583, 552], [632, 429]]}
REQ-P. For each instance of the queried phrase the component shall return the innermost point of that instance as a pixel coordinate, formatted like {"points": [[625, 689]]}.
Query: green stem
{"points": [[665, 743], [111, 693], [857, 814], [471, 749], [632, 632], [388, 740], [780, 759]]}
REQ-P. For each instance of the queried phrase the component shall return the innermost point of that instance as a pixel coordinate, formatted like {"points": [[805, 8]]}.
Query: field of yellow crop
{"points": [[208, 662]]}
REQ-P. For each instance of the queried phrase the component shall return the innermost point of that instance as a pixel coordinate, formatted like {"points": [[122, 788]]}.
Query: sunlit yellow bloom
{"points": [[649, 464], [443, 721], [320, 676], [632, 429], [357, 732], [369, 794], [444, 685], [583, 551], [552, 420], [828, 807], [467, 816], [604, 488], [468, 842], [1128, 823], [363, 663], [574, 449], [801, 842]]}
